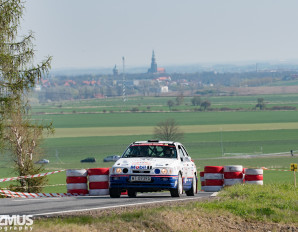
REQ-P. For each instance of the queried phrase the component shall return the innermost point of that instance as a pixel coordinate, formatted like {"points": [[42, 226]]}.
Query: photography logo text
{"points": [[16, 223]]}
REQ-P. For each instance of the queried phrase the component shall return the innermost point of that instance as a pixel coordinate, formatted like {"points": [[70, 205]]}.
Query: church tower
{"points": [[115, 71], [153, 68]]}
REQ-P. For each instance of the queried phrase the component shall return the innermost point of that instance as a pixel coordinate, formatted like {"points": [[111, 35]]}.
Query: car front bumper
{"points": [[164, 182]]}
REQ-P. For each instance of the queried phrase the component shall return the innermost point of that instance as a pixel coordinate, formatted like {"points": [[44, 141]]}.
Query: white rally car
{"points": [[150, 166]]}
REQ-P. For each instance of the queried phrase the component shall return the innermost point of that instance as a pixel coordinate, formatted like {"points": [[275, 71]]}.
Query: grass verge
{"points": [[272, 207], [271, 203]]}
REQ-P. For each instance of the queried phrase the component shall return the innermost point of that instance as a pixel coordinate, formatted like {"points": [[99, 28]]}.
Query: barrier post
{"points": [[294, 169]]}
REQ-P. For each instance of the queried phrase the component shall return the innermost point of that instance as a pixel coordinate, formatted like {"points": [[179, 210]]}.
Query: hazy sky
{"points": [[97, 33]]}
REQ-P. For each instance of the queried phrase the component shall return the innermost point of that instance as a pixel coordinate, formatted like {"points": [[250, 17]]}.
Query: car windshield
{"points": [[156, 151]]}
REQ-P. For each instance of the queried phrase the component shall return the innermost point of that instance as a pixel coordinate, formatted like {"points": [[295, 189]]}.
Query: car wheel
{"points": [[131, 193], [193, 188], [177, 192], [115, 192]]}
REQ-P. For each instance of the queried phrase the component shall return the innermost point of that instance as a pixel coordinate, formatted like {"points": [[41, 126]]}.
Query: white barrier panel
{"points": [[98, 181], [77, 181]]}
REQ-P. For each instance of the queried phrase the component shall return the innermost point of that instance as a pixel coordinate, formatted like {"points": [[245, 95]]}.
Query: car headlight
{"points": [[118, 170], [164, 171]]}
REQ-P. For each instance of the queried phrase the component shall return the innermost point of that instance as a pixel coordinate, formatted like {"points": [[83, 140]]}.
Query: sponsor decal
{"points": [[16, 223], [139, 167]]}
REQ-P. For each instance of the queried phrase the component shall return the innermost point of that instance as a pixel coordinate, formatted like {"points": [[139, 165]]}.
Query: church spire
{"points": [[153, 68], [115, 71]]}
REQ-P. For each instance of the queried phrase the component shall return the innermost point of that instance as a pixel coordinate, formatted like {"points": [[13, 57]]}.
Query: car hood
{"points": [[142, 162]]}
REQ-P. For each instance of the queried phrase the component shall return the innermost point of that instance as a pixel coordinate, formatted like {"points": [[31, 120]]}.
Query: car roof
{"points": [[155, 142]]}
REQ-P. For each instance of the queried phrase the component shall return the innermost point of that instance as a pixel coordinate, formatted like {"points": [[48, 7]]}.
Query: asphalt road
{"points": [[60, 205]]}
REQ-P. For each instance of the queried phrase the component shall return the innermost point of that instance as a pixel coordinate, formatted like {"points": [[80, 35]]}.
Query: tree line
{"points": [[195, 101]]}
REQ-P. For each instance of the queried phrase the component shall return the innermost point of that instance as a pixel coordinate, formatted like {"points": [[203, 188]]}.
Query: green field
{"points": [[153, 104], [182, 118], [212, 138]]}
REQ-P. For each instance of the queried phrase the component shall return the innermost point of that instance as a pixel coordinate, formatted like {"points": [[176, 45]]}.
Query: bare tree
{"points": [[179, 99], [205, 104], [196, 101], [170, 104], [168, 130], [261, 104]]}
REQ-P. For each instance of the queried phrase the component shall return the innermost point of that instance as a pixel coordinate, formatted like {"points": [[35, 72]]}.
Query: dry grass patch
{"points": [[142, 130]]}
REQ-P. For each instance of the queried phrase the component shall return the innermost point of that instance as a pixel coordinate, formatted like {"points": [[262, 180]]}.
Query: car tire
{"points": [[115, 192], [131, 193], [177, 192], [193, 188]]}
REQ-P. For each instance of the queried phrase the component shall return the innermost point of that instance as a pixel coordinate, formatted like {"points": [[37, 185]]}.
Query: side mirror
{"points": [[181, 159]]}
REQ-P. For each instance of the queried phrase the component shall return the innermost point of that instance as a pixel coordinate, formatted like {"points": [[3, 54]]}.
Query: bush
{"points": [[225, 109], [134, 109], [282, 108]]}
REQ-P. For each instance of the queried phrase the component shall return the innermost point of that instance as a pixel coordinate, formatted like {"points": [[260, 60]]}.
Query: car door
{"points": [[190, 164], [184, 162]]}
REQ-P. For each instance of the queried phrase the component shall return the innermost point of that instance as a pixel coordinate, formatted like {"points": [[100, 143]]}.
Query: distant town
{"points": [[159, 81]]}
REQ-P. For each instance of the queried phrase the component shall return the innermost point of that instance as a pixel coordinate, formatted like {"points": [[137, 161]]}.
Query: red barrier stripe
{"points": [[214, 182], [213, 169], [253, 177], [31, 195], [99, 185], [98, 171], [233, 175], [202, 174], [76, 179]]}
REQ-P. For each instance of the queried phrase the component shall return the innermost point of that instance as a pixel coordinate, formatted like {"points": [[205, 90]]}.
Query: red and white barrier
{"points": [[98, 181], [213, 178], [202, 179], [9, 193], [29, 176], [254, 176], [76, 180], [233, 174]]}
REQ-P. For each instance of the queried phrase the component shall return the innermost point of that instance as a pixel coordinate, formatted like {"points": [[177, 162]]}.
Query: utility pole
{"points": [[222, 150], [123, 81]]}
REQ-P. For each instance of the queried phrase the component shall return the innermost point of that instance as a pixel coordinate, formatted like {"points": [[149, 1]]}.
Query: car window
{"points": [[181, 152], [155, 151], [184, 151]]}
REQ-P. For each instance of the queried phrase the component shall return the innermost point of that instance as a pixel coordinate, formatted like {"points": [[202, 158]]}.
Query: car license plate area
{"points": [[140, 178]]}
